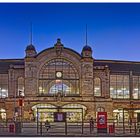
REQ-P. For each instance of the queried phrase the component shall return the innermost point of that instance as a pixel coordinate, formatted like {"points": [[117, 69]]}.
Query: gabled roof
{"points": [[5, 64]]}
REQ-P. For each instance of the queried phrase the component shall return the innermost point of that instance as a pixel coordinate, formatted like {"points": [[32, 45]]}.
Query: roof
{"points": [[87, 48], [5, 64], [119, 66], [114, 65], [30, 47]]}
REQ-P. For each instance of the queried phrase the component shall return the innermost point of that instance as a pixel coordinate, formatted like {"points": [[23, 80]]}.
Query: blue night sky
{"points": [[113, 29]]}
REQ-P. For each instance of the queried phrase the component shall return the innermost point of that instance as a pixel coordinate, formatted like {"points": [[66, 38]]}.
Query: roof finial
{"points": [[31, 33], [86, 34]]}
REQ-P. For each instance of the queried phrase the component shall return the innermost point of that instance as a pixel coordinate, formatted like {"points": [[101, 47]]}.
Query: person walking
{"points": [[91, 125], [47, 125]]}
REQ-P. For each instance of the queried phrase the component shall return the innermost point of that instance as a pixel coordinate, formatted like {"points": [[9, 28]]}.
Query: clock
{"points": [[58, 74]]}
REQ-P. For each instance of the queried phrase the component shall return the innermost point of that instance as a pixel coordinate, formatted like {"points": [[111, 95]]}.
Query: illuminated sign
{"points": [[102, 122], [59, 116]]}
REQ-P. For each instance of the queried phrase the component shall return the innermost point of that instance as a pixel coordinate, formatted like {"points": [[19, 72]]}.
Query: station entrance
{"points": [[73, 122]]}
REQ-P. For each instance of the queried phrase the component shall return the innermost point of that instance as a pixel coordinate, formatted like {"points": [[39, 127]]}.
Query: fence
{"points": [[68, 129]]}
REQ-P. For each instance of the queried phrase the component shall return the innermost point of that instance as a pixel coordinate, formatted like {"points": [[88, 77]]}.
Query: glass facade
{"points": [[136, 87], [58, 76], [3, 85], [97, 87], [119, 86]]}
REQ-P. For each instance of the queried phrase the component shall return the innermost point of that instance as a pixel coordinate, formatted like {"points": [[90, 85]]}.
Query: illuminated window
{"points": [[136, 87], [59, 87], [2, 114], [119, 86], [58, 76], [74, 112], [44, 112], [118, 115], [3, 85], [20, 86], [97, 87]]}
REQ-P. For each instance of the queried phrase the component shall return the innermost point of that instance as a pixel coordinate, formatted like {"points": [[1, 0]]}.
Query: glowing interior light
{"points": [[136, 89], [3, 90], [97, 88]]}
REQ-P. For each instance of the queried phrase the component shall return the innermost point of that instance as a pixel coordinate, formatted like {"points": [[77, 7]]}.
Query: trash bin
{"points": [[111, 129], [11, 128], [18, 127]]}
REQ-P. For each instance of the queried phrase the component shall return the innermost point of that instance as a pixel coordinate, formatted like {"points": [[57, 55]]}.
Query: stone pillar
{"points": [[87, 76], [30, 77], [12, 83]]}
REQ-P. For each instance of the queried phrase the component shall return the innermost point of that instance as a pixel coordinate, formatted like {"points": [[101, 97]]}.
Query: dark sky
{"points": [[113, 29]]}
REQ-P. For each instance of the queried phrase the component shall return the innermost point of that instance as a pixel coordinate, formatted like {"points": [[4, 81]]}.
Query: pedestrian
{"points": [[91, 125], [47, 125]]}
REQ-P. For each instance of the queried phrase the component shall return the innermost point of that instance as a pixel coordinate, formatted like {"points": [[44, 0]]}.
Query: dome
{"points": [[30, 47], [87, 48]]}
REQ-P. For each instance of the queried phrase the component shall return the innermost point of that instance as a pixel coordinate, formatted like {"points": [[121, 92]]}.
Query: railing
{"points": [[68, 129]]}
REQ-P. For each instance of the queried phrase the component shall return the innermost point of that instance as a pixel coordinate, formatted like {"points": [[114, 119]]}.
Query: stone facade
{"points": [[87, 71]]}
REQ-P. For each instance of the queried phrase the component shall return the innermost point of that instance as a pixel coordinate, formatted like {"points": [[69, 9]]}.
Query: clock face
{"points": [[58, 74]]}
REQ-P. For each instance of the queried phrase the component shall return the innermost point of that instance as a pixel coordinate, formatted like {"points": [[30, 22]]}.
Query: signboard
{"points": [[59, 116], [102, 122]]}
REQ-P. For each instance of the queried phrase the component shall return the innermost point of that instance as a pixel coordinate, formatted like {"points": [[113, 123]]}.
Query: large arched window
{"points": [[97, 86], [20, 86], [58, 76]]}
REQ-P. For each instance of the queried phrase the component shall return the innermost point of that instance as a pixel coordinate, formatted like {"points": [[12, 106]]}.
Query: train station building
{"points": [[61, 79]]}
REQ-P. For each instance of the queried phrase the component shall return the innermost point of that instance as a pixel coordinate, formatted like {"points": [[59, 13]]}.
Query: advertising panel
{"points": [[102, 122]]}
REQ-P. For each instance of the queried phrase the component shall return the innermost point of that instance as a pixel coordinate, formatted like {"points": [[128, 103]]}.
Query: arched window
{"points": [[58, 76], [20, 86], [97, 86], [100, 109]]}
